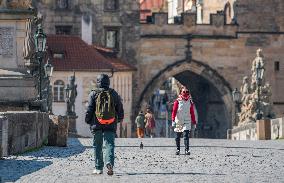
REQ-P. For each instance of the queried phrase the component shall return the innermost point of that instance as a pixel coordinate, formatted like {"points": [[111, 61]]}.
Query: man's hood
{"points": [[103, 81]]}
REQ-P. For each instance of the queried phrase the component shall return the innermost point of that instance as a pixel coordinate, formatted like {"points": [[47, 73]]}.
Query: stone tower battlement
{"points": [[188, 25]]}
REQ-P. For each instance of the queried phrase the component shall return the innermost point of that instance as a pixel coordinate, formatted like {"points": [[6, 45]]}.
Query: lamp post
{"points": [[40, 44], [259, 77], [237, 99], [48, 70]]}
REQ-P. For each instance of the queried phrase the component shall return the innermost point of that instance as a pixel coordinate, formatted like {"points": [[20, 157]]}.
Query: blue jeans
{"points": [[108, 137]]}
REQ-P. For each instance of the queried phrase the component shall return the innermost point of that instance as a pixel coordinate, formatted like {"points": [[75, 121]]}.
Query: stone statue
{"points": [[245, 89], [258, 60], [72, 98], [250, 102], [266, 101]]}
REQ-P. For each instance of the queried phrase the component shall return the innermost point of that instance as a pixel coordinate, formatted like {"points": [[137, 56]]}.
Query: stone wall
{"points": [[26, 130], [249, 131], [12, 35], [277, 128], [56, 16], [260, 15], [245, 132], [3, 136], [125, 20]]}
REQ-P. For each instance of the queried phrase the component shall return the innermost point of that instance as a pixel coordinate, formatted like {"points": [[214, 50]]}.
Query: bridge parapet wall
{"points": [[188, 25]]}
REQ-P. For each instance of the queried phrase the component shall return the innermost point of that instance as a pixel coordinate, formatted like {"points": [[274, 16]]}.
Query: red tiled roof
{"points": [[79, 56], [118, 63]]}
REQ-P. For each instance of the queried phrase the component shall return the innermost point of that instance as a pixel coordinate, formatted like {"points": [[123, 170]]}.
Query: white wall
{"points": [[121, 82], [172, 10]]}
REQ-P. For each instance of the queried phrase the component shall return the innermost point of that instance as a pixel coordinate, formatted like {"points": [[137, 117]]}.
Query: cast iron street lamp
{"points": [[259, 77], [40, 44], [237, 99], [48, 70]]}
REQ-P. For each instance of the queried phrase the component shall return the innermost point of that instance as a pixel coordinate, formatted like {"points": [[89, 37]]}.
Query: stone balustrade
{"points": [[22, 131], [261, 130]]}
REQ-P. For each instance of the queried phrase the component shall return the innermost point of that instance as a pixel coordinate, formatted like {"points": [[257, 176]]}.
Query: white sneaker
{"points": [[97, 171]]}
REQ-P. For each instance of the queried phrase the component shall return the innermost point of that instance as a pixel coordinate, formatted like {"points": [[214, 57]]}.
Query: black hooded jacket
{"points": [[103, 84]]}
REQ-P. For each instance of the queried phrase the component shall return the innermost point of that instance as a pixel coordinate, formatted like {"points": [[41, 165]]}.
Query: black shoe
{"points": [[177, 152], [187, 152], [109, 169]]}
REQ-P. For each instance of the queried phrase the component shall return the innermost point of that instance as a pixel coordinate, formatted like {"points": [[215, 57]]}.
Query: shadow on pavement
{"points": [[11, 169], [74, 147], [205, 146], [167, 173]]}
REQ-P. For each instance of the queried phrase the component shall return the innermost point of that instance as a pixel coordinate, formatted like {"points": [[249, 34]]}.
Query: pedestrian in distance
{"points": [[104, 111], [150, 123], [140, 123], [184, 114]]}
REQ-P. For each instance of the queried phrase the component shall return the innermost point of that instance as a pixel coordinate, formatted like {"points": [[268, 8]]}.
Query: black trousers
{"points": [[186, 139]]}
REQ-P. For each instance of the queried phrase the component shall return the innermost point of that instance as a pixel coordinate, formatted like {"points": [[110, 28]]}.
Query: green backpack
{"points": [[105, 108]]}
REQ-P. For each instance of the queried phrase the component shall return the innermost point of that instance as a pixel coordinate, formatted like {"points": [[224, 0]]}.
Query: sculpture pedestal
{"points": [[263, 129], [58, 131], [72, 132]]}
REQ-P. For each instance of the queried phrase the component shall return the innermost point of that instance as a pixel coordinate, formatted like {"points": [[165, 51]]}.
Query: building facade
{"points": [[71, 54], [212, 58]]}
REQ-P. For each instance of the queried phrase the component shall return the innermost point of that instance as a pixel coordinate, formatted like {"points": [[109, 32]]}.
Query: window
{"points": [[65, 30], [58, 91], [112, 38], [62, 4], [111, 5], [58, 55], [276, 66]]}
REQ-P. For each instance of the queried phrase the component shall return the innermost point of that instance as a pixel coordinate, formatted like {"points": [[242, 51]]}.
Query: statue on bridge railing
{"points": [[250, 96], [71, 91]]}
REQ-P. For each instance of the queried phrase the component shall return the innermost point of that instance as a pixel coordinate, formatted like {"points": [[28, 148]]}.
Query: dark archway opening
{"points": [[216, 104], [212, 114]]}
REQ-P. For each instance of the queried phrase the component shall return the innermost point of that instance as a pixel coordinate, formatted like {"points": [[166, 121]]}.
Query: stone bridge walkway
{"points": [[210, 161]]}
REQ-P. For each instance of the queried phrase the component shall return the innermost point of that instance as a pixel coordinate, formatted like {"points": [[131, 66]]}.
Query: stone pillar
{"points": [[3, 136], [58, 131], [263, 129], [72, 132], [229, 134]]}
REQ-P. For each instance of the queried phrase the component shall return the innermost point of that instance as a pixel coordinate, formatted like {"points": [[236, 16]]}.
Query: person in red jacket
{"points": [[184, 114]]}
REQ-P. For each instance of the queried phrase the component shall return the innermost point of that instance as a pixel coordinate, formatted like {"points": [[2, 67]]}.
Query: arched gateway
{"points": [[197, 69]]}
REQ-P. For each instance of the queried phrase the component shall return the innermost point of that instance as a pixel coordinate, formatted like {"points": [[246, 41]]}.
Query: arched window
{"points": [[58, 91], [227, 10]]}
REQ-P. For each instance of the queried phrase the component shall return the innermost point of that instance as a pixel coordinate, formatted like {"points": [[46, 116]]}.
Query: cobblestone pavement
{"points": [[210, 161]]}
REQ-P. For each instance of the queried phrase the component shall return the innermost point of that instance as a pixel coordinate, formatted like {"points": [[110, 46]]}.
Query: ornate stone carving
{"points": [[29, 44], [6, 41], [250, 96], [3, 3], [19, 4]]}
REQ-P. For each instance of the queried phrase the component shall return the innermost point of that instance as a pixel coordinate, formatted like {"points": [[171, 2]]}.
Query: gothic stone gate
{"points": [[218, 52]]}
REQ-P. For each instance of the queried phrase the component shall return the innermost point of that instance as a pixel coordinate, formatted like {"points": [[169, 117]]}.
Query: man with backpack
{"points": [[104, 111]]}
